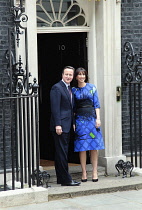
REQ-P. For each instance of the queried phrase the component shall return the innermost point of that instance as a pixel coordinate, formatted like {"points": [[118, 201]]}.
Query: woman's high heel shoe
{"points": [[84, 180], [94, 180]]}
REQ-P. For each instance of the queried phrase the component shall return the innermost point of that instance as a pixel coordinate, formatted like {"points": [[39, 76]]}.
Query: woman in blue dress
{"points": [[88, 136]]}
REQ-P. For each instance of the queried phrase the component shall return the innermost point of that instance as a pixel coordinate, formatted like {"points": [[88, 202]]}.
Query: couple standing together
{"points": [[78, 107]]}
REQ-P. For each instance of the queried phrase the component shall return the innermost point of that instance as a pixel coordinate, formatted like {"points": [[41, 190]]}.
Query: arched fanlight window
{"points": [[59, 13]]}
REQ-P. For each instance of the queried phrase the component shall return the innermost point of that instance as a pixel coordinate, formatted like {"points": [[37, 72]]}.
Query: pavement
{"points": [[106, 184], [128, 200]]}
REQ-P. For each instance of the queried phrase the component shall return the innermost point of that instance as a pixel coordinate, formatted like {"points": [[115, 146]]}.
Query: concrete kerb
{"points": [[23, 196], [93, 192]]}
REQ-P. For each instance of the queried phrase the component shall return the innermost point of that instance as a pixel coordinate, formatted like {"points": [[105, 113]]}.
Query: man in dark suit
{"points": [[62, 100]]}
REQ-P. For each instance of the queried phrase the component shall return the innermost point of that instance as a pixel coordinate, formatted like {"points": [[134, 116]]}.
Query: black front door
{"points": [[55, 51]]}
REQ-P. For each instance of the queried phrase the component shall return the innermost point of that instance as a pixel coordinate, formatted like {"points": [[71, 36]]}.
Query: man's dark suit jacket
{"points": [[61, 107]]}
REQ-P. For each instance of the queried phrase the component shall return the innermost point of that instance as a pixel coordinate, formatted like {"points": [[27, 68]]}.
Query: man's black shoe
{"points": [[72, 183]]}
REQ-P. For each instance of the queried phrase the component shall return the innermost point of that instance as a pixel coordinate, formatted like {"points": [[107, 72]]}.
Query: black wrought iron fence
{"points": [[19, 139], [133, 96], [19, 119]]}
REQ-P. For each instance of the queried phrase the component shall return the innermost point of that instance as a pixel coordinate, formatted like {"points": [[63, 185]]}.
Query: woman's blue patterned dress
{"points": [[87, 136]]}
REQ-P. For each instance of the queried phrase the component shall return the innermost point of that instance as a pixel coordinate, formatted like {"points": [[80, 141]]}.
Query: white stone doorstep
{"points": [[23, 196]]}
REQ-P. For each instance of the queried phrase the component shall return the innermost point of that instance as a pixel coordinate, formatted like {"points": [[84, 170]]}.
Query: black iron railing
{"points": [[22, 129], [18, 113], [133, 84]]}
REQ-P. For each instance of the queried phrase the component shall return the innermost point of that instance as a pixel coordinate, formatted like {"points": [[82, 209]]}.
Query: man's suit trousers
{"points": [[61, 157]]}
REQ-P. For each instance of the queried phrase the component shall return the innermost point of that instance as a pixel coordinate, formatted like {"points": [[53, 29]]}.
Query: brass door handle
{"points": [[118, 93]]}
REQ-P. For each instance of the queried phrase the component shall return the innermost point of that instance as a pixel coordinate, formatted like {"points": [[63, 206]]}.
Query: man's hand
{"points": [[58, 130]]}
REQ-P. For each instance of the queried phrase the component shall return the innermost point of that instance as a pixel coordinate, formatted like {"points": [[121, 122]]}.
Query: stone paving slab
{"points": [[104, 185], [111, 183]]}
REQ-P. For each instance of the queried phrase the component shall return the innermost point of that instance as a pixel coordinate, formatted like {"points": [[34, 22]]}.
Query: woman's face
{"points": [[81, 77]]}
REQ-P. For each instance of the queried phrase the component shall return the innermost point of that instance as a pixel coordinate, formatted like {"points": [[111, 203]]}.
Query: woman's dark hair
{"points": [[77, 71]]}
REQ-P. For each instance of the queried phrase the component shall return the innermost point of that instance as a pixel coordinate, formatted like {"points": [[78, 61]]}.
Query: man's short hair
{"points": [[68, 67]]}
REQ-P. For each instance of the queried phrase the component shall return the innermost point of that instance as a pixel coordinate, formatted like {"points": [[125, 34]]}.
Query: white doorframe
{"points": [[33, 31]]}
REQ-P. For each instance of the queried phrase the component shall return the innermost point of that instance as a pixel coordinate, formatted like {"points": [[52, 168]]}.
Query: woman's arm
{"points": [[98, 121], [97, 107]]}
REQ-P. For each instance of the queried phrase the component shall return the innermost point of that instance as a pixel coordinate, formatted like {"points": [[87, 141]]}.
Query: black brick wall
{"points": [[6, 21], [131, 25]]}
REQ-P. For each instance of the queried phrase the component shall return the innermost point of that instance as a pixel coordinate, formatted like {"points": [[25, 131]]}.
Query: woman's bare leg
{"points": [[94, 161], [82, 156]]}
